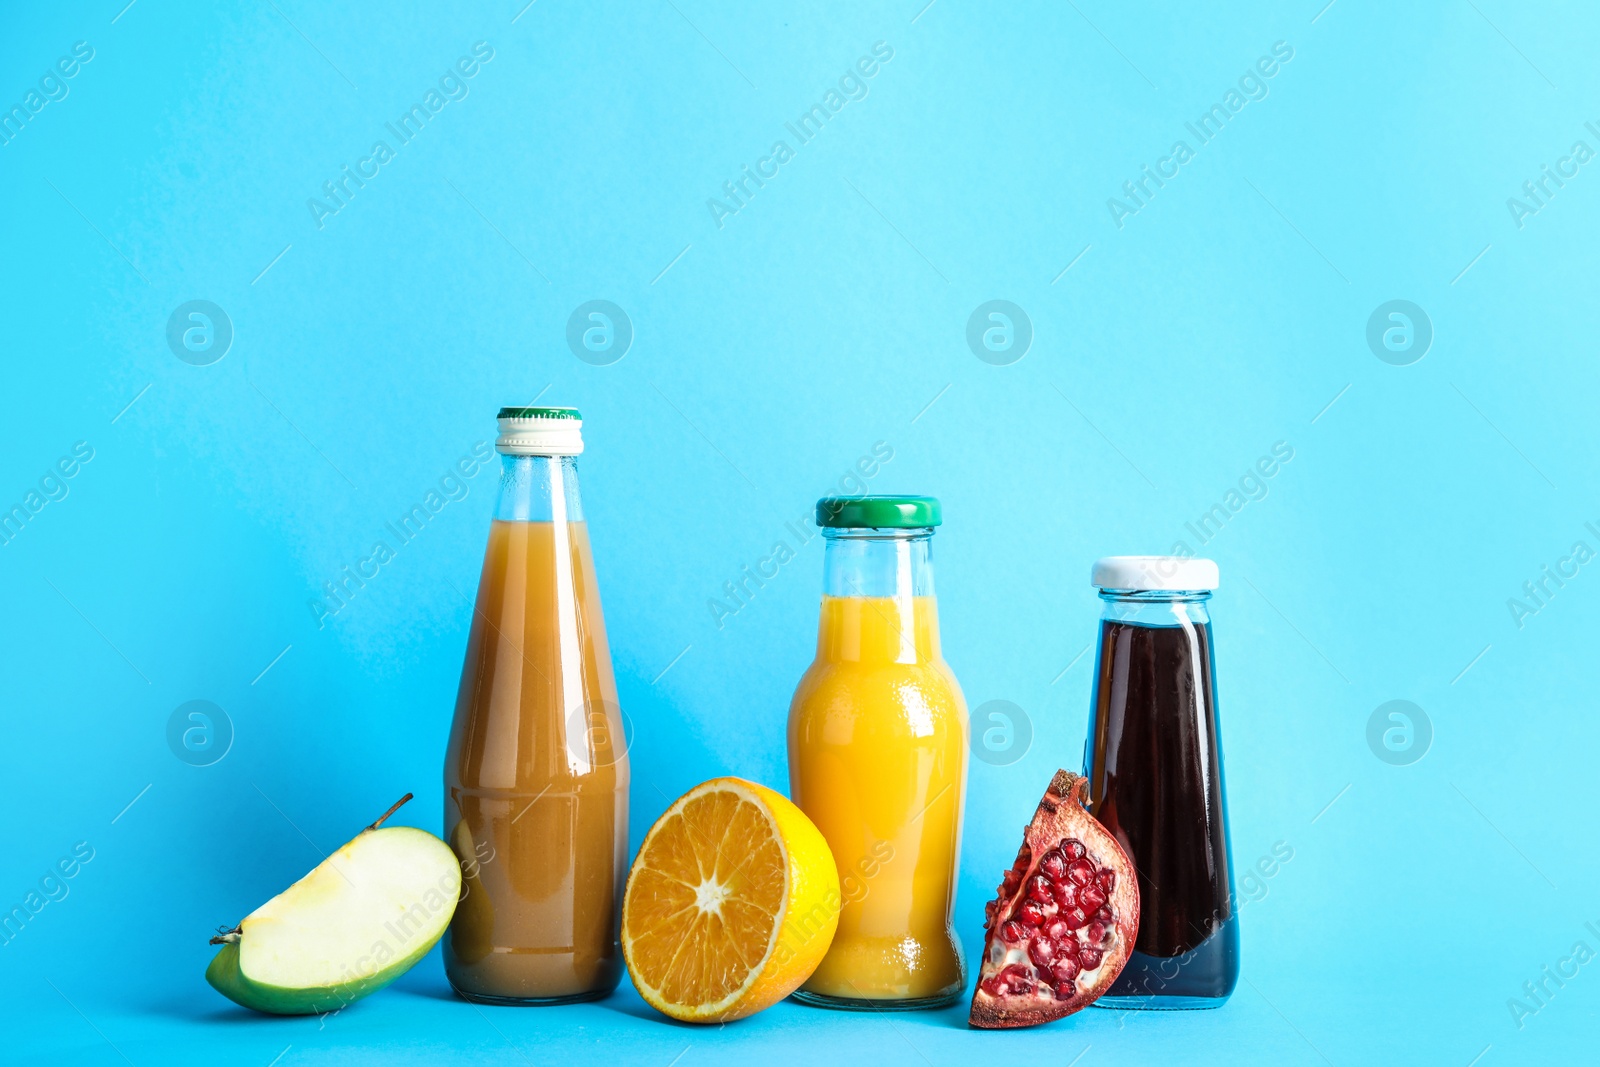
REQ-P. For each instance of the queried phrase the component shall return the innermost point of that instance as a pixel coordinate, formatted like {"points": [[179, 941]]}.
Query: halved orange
{"points": [[731, 904]]}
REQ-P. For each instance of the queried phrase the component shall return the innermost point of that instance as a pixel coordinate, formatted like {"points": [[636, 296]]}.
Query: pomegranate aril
{"points": [[1056, 929], [1074, 918], [991, 985], [1016, 978], [1104, 914], [1042, 951], [1067, 948], [1089, 958], [1096, 933], [1107, 879], [1066, 894], [1081, 871], [1012, 931], [1091, 898], [1064, 970], [1039, 888], [1054, 865], [1072, 848], [1030, 914]]}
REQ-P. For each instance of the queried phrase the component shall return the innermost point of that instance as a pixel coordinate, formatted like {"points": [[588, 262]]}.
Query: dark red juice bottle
{"points": [[1154, 760]]}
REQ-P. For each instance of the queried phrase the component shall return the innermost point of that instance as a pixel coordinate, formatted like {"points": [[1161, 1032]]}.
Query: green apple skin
{"points": [[226, 978], [360, 919]]}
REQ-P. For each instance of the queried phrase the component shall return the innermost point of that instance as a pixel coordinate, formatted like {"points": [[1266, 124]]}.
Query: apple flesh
{"points": [[358, 921]]}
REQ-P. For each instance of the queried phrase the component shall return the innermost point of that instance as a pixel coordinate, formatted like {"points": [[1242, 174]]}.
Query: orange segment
{"points": [[707, 924]]}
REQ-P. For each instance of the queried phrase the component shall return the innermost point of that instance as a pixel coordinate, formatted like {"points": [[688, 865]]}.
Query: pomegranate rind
{"points": [[1060, 815]]}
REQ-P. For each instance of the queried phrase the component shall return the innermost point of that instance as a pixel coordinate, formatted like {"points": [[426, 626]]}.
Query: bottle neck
{"points": [[877, 597], [877, 563], [1163, 607], [538, 489]]}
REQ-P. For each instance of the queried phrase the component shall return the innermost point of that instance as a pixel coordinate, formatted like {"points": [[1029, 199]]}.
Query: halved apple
{"points": [[358, 921]]}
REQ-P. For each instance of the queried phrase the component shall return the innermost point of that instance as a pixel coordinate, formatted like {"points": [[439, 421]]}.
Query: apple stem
{"points": [[391, 811], [227, 937]]}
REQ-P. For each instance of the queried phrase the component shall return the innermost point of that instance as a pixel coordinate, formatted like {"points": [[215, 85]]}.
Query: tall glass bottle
{"points": [[536, 775], [878, 759], [1155, 778]]}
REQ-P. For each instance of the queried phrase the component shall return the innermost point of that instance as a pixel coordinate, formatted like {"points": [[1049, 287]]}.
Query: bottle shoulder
{"points": [[836, 686]]}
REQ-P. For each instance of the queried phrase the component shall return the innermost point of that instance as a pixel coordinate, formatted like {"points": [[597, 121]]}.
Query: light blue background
{"points": [[825, 316]]}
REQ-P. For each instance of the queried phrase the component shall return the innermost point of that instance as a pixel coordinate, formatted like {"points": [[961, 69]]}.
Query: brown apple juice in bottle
{"points": [[536, 775]]}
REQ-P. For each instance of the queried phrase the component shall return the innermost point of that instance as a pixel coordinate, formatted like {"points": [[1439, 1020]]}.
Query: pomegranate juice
{"points": [[1155, 782]]}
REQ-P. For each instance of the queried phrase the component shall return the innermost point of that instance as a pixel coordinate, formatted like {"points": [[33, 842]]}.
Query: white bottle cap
{"points": [[540, 432], [1154, 573]]}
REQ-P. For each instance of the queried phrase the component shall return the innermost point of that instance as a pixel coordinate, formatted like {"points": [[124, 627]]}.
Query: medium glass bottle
{"points": [[1154, 758], [878, 759], [536, 776]]}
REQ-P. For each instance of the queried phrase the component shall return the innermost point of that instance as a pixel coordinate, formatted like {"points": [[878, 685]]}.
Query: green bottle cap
{"points": [[878, 512], [534, 431], [539, 413]]}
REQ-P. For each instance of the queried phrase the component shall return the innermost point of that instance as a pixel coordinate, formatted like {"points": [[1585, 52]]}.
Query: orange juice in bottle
{"points": [[878, 759]]}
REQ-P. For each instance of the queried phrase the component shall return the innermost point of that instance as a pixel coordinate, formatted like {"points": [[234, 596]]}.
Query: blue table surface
{"points": [[420, 1021]]}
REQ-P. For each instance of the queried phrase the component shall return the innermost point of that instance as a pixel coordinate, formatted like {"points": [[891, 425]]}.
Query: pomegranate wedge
{"points": [[1063, 921]]}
